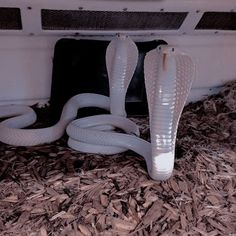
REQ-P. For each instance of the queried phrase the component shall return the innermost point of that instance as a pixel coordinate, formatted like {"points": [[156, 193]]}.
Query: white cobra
{"points": [[169, 74], [168, 78]]}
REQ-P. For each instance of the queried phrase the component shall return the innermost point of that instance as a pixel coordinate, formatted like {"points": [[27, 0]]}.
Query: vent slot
{"points": [[10, 19], [108, 20], [217, 21]]}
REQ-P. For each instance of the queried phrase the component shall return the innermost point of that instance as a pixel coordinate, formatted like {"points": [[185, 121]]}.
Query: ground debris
{"points": [[53, 190]]}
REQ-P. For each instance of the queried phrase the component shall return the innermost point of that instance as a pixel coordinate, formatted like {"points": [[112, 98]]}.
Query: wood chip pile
{"points": [[52, 190]]}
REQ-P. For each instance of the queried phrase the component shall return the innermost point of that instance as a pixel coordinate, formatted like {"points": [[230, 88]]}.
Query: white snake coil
{"points": [[168, 78]]}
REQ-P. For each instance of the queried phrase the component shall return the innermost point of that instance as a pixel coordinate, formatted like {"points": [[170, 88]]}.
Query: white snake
{"points": [[168, 78]]}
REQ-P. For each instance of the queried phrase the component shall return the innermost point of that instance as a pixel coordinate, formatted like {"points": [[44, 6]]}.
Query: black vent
{"points": [[217, 21], [107, 20], [10, 19]]}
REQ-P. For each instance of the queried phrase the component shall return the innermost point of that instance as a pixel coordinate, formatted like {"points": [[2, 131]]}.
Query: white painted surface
{"points": [[25, 68], [26, 65], [215, 57], [31, 14], [26, 61]]}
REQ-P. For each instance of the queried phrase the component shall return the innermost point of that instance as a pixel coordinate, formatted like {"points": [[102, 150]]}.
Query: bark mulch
{"points": [[52, 190]]}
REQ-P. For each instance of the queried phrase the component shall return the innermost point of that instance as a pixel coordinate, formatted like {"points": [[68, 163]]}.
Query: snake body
{"points": [[167, 83]]}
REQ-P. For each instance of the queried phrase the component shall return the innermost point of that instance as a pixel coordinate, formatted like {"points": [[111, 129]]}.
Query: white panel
{"points": [[202, 93], [215, 58], [31, 14], [26, 65], [215, 65], [25, 68], [26, 62]]}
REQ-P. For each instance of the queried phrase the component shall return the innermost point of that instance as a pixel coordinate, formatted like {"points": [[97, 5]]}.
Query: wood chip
{"points": [[188, 210], [183, 221], [153, 213], [104, 200], [84, 230], [200, 231], [11, 199], [122, 225], [43, 231], [58, 215]]}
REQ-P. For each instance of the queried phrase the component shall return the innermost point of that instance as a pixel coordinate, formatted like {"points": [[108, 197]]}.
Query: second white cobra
{"points": [[168, 78]]}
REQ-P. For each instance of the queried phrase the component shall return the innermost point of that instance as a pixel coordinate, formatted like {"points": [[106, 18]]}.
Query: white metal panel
{"points": [[26, 61], [215, 58], [26, 65], [31, 14], [25, 68]]}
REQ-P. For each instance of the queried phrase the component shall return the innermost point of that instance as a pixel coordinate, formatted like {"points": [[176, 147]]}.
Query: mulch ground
{"points": [[53, 190]]}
